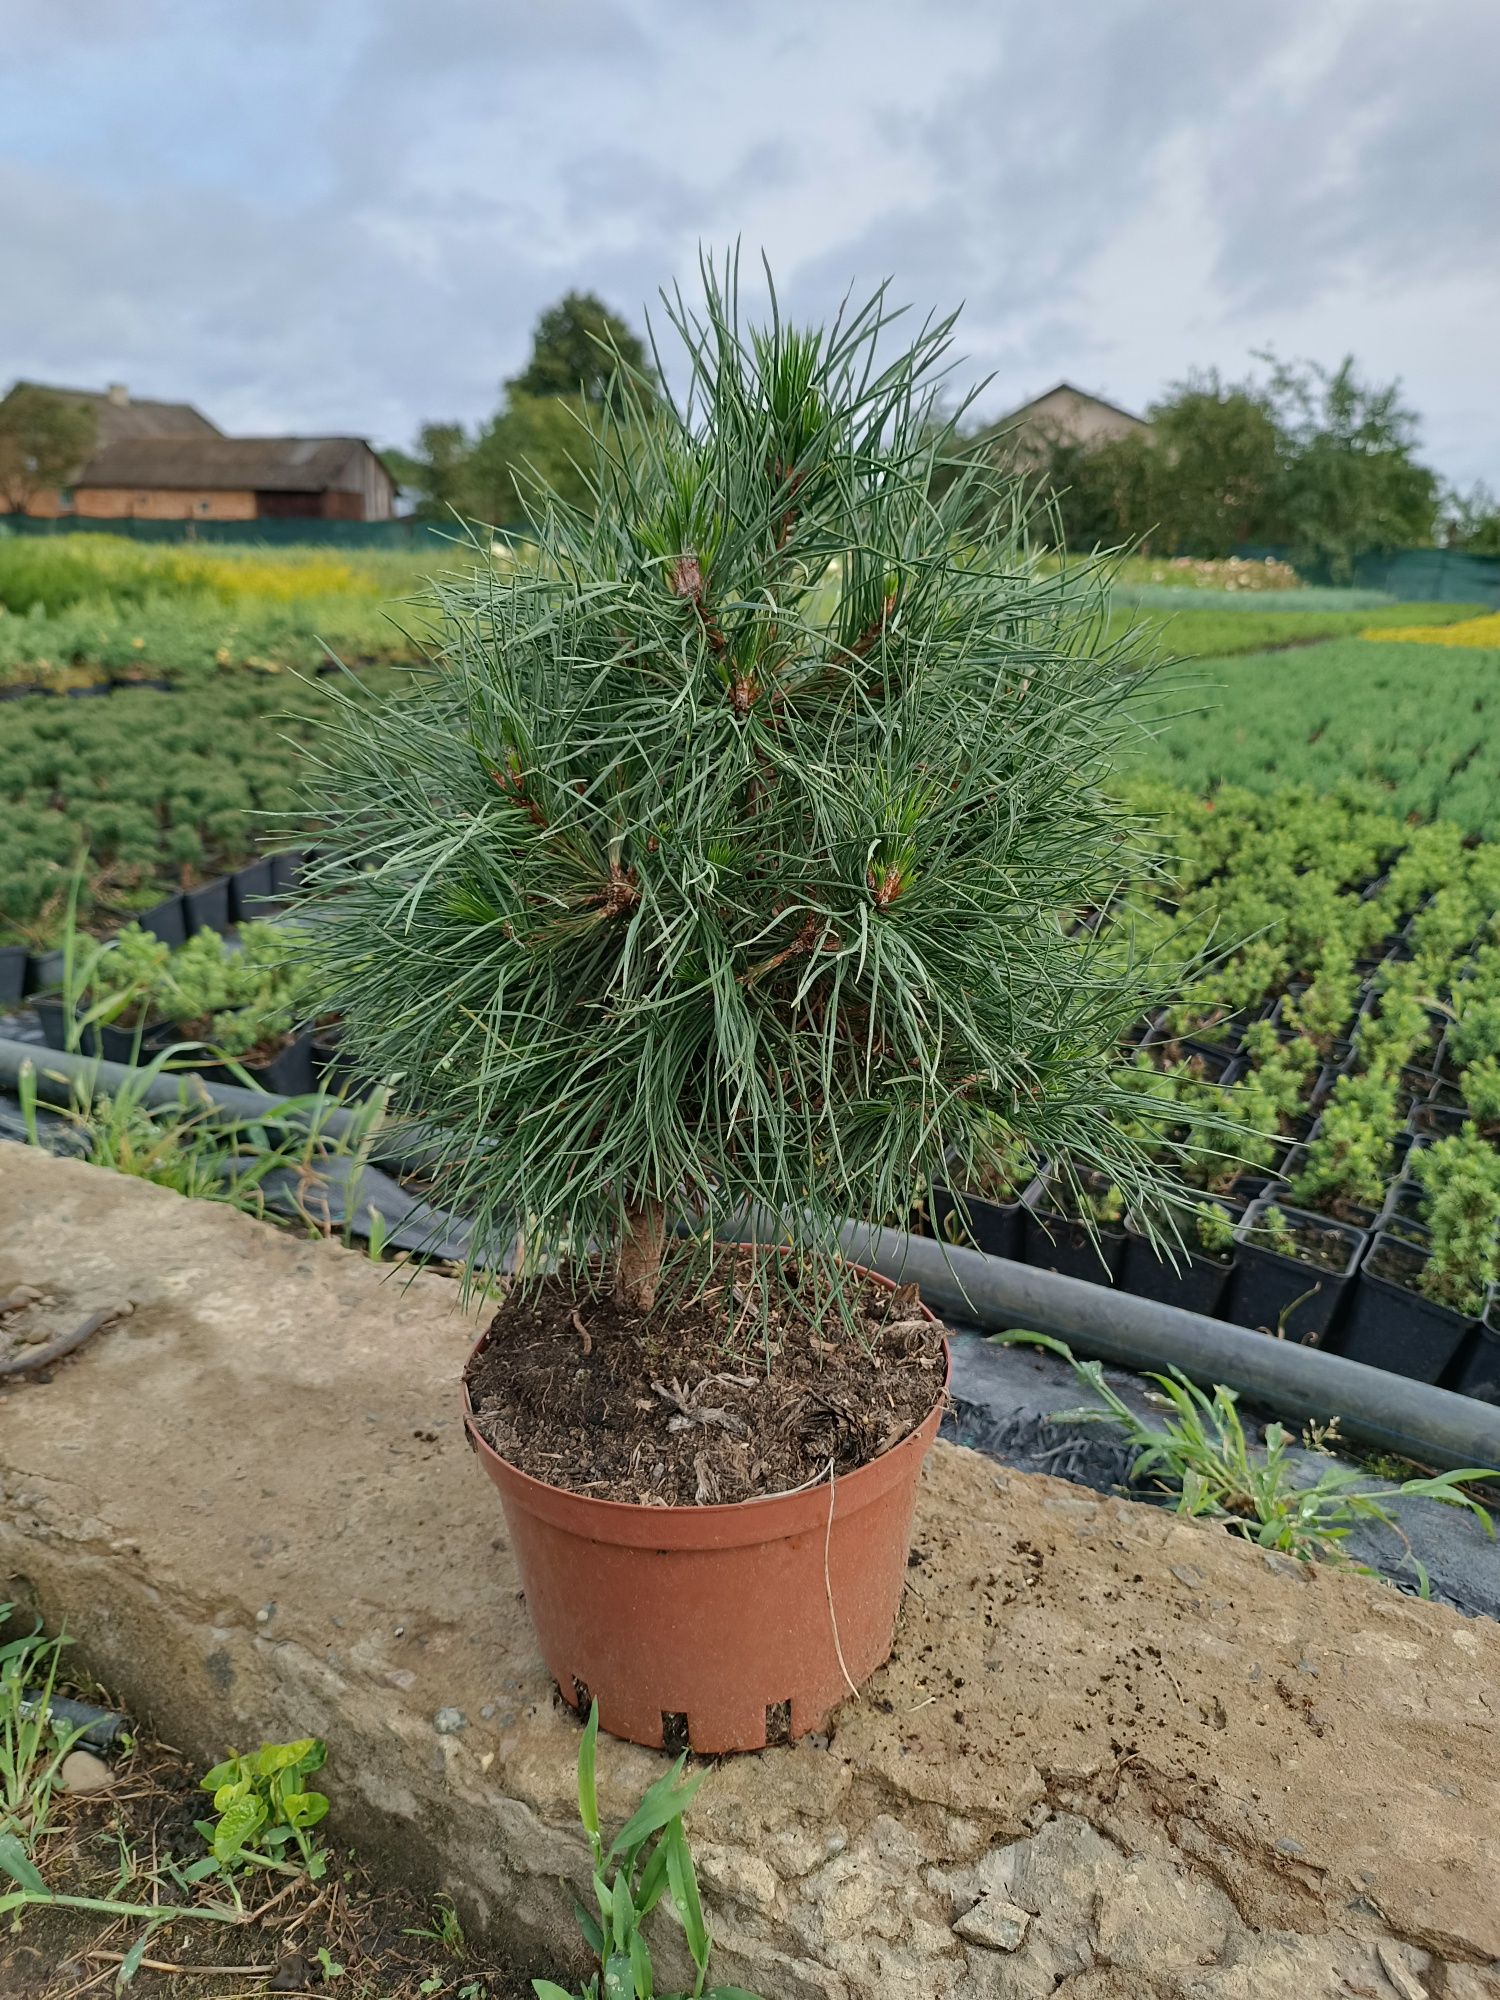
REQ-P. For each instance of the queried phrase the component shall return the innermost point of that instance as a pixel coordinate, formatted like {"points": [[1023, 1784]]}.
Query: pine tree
{"points": [[718, 860]]}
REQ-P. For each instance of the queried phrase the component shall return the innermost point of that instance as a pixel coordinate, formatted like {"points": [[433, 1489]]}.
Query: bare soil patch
{"points": [[114, 1843]]}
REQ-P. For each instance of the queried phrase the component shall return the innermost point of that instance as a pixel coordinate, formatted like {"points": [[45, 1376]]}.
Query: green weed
{"points": [[648, 1858], [1201, 1453]]}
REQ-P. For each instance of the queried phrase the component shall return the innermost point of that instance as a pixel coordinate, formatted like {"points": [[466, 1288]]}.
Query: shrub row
{"points": [[162, 793], [1413, 726], [176, 640], [1329, 1092]]}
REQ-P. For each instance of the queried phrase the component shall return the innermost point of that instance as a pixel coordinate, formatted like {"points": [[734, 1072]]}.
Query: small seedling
{"points": [[329, 1965], [446, 1929], [1214, 1227], [264, 1808], [650, 1858]]}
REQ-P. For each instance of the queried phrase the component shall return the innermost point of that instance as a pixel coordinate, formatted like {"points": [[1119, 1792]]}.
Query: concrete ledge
{"points": [[1117, 1755]]}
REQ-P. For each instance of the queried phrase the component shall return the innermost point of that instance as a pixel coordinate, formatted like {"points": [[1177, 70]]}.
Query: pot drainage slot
{"points": [[778, 1723], [674, 1732]]}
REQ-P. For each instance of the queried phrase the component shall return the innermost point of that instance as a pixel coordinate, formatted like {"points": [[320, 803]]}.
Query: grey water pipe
{"points": [[402, 1145], [1373, 1407]]}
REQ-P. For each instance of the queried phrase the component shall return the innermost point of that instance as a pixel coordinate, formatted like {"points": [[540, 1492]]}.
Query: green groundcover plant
{"points": [[240, 996], [1413, 724], [720, 865], [648, 1859]]}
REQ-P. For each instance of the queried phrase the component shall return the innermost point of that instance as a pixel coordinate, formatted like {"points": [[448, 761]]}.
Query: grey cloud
{"points": [[446, 168], [1389, 167]]}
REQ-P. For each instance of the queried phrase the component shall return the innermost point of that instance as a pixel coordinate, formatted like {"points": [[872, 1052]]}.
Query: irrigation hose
{"points": [[1303, 1384], [397, 1145]]}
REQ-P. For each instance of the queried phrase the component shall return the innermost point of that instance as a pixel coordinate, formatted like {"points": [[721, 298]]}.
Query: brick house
{"points": [[235, 479], [158, 461]]}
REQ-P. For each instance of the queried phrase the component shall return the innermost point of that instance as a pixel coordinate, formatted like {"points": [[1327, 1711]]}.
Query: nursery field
{"points": [[196, 663], [1246, 625], [163, 791], [1331, 1087], [1416, 722], [88, 611]]}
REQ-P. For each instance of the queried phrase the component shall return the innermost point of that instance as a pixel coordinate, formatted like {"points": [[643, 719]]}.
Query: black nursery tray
{"points": [[1295, 1297], [1054, 1241], [1390, 1324]]}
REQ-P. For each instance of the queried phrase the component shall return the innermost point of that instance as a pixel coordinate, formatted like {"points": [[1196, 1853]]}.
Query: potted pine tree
{"points": [[708, 885]]}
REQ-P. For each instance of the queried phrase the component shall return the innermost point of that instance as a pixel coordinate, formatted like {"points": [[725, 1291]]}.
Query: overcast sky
{"points": [[344, 215]]}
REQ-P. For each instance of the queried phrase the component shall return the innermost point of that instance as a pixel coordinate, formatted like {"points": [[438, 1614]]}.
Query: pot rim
{"points": [[722, 1523]]}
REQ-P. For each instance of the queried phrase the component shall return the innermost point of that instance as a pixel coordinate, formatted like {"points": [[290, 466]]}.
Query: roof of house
{"points": [[1084, 395], [267, 465], [116, 419]]}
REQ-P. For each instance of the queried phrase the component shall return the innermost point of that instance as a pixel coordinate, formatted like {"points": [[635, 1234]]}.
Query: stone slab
{"points": [[1199, 1772]]}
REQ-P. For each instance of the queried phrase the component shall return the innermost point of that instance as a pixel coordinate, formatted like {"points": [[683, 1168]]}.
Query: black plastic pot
{"points": [[1055, 1242], [45, 971], [1390, 1325], [1277, 1293], [14, 960], [207, 906], [1198, 1282], [991, 1226], [288, 1074], [250, 889], [166, 920], [286, 869], [1221, 1064], [1437, 1121], [98, 1038], [1405, 1199], [1478, 1370], [332, 1070]]}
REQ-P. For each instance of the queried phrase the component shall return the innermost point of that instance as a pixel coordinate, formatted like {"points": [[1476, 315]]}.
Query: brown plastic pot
{"points": [[734, 1625]]}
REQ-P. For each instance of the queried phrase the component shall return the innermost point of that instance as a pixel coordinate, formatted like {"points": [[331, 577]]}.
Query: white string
{"points": [[828, 1588]]}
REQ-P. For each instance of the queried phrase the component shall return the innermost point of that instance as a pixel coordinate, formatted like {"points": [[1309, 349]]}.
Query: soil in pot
{"points": [[590, 1395], [1390, 1323], [1293, 1287], [658, 1583]]}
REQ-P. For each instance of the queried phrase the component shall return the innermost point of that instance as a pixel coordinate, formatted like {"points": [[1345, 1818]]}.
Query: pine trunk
{"points": [[638, 1256]]}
